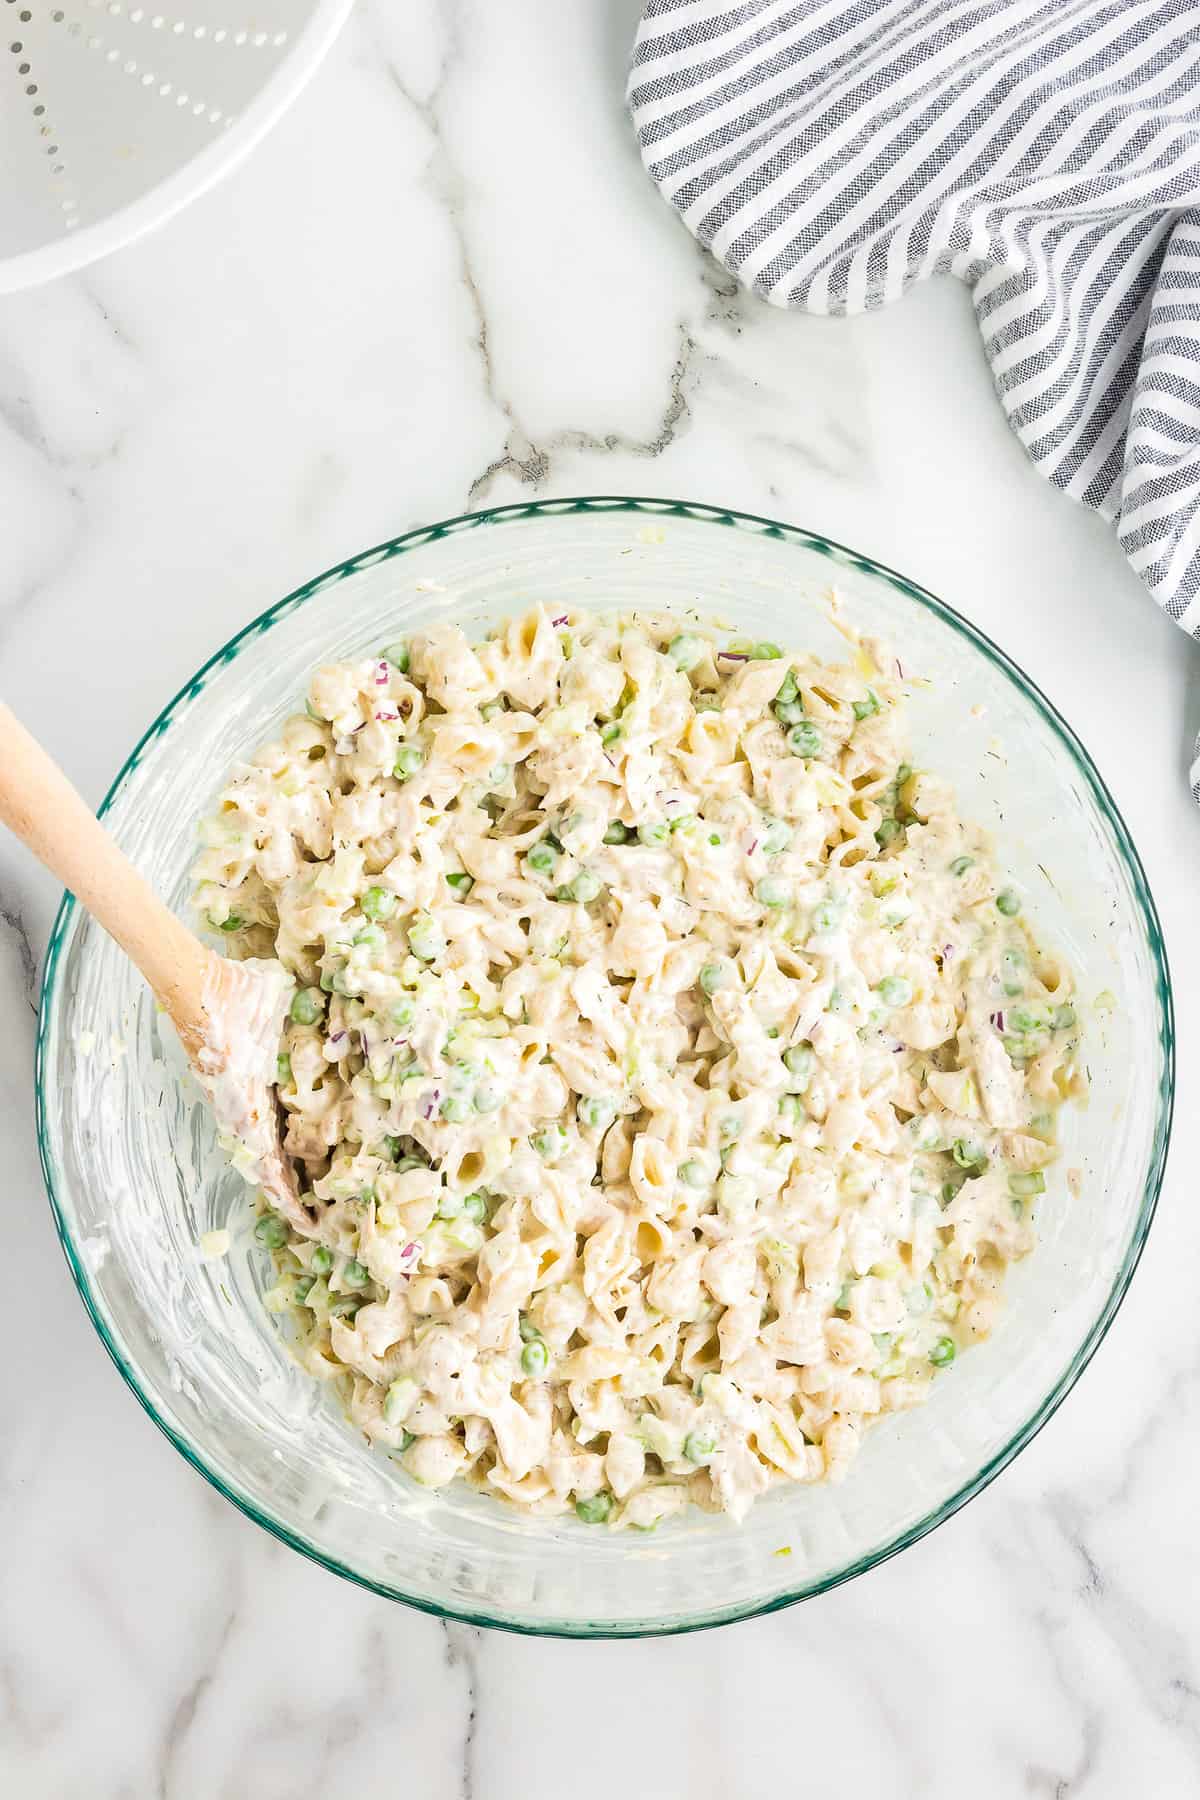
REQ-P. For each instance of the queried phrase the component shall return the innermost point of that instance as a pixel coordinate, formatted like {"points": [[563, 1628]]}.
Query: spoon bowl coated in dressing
{"points": [[228, 1015]]}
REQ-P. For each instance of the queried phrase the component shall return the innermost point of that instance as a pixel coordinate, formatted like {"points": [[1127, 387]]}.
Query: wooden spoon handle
{"points": [[39, 804]]}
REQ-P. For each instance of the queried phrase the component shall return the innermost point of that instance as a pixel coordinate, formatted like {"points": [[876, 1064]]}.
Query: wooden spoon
{"points": [[228, 1015]]}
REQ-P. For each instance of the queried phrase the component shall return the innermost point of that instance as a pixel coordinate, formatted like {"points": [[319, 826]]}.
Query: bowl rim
{"points": [[840, 556]]}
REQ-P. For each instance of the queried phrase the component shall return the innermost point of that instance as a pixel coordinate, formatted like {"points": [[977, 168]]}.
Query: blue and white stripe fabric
{"points": [[832, 152]]}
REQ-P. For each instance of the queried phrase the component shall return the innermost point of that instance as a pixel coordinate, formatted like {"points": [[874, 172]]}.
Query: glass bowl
{"points": [[134, 1173]]}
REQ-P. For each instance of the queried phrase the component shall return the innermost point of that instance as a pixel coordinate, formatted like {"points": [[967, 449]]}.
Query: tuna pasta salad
{"points": [[669, 1074]]}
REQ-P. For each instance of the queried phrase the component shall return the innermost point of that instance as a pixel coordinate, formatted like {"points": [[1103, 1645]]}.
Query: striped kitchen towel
{"points": [[832, 152]]}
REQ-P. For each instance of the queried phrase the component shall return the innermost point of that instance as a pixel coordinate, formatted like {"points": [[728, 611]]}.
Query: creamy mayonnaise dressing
{"points": [[245, 1006], [668, 1074]]}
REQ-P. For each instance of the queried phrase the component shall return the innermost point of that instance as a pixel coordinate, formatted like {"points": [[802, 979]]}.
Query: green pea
{"points": [[283, 1069], [730, 1128], [961, 864], [595, 1510], [303, 1288], [616, 833], [889, 830], [949, 1192], [344, 1306], [528, 1330], [653, 832], [321, 1260], [454, 1108], [535, 1358], [803, 739], [1008, 903], [1023, 1187], [307, 1006], [499, 775], [379, 903], [449, 1204], [550, 1143], [541, 857], [685, 650], [271, 1232], [594, 1111], [777, 837], [772, 891], [863, 709], [475, 1208], [712, 977], [425, 939], [789, 691], [693, 1174], [488, 1098], [610, 733], [461, 883], [791, 1109], [397, 655], [788, 712], [797, 1060], [714, 837], [1012, 973], [585, 887], [698, 1446], [232, 923], [765, 651], [895, 990], [943, 1352], [1064, 1018], [355, 1273], [409, 758], [826, 916]]}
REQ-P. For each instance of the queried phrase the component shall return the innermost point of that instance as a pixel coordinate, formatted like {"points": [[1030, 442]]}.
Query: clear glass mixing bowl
{"points": [[134, 1174]]}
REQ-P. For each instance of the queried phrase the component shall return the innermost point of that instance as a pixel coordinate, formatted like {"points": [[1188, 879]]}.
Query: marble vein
{"points": [[529, 459], [533, 464], [184, 1712], [462, 1654], [14, 927]]}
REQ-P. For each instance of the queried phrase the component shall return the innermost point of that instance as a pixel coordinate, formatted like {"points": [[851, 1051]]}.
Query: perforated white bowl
{"points": [[113, 114]]}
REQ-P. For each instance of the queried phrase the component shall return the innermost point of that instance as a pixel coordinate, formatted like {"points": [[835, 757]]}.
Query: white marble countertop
{"points": [[444, 280]]}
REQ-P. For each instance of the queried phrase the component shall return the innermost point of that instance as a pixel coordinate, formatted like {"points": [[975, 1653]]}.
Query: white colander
{"points": [[114, 114]]}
